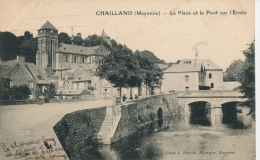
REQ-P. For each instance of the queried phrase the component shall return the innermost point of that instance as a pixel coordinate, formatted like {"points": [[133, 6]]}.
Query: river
{"points": [[187, 137]]}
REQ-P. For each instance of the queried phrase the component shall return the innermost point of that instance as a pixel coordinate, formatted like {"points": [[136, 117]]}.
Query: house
{"points": [[21, 73], [70, 67], [191, 74]]}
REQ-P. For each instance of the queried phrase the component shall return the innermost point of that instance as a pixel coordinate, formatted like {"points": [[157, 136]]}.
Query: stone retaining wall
{"points": [[142, 112], [76, 131]]}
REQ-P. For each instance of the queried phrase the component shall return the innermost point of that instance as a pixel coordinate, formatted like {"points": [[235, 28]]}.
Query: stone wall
{"points": [[141, 112], [76, 131]]}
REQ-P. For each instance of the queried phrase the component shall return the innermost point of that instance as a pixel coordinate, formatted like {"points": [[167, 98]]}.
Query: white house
{"points": [[190, 74]]}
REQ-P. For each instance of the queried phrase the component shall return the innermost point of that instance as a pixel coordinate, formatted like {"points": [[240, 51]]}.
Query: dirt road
{"points": [[23, 124]]}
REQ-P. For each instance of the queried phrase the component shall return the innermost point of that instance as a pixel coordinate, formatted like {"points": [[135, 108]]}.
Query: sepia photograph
{"points": [[127, 80]]}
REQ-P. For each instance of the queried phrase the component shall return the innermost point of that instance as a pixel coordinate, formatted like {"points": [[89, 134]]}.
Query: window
{"points": [[40, 77], [77, 86], [31, 84], [66, 58], [11, 84], [187, 78], [102, 50], [210, 75], [212, 85], [74, 59], [187, 88]]}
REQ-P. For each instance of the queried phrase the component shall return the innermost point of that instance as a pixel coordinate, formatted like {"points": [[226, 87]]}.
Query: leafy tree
{"points": [[94, 40], [150, 55], [4, 88], [64, 38], [233, 71], [11, 46], [77, 40], [20, 92], [8, 46], [113, 43], [51, 92], [28, 47], [247, 78], [149, 72], [119, 68]]}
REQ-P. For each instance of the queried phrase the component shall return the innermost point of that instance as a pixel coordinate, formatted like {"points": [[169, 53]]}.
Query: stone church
{"points": [[71, 67]]}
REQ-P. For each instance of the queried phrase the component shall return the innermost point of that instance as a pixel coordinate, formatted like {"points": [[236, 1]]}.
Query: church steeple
{"points": [[47, 46], [103, 34]]}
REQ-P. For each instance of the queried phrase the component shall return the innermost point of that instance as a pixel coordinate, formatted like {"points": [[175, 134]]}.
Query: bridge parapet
{"points": [[209, 93]]}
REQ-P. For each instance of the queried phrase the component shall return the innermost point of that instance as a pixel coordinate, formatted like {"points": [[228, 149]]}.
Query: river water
{"points": [[187, 137]]}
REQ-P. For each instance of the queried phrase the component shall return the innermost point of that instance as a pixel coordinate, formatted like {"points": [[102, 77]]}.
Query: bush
{"points": [[20, 92], [51, 90]]}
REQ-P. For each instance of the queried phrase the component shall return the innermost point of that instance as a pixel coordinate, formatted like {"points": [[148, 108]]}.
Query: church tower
{"points": [[47, 47]]}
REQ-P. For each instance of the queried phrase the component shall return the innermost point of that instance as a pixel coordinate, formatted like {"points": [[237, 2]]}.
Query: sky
{"points": [[221, 38]]}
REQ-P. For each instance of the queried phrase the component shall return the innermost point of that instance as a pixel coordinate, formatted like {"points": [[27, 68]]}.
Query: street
{"points": [[26, 123]]}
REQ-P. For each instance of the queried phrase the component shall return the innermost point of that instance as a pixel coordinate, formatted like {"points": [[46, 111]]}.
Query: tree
{"points": [[247, 78], [233, 71], [20, 92], [4, 88], [51, 92], [120, 68], [150, 55], [149, 71], [9, 46], [77, 40], [28, 47], [94, 40], [64, 38]]}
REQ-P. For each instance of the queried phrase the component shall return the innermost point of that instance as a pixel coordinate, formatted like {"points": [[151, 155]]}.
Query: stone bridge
{"points": [[215, 99]]}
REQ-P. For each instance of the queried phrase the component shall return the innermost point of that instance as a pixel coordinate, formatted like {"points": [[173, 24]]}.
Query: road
{"points": [[25, 123]]}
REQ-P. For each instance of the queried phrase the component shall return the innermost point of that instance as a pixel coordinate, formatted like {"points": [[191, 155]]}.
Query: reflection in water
{"points": [[233, 117], [185, 133], [200, 114]]}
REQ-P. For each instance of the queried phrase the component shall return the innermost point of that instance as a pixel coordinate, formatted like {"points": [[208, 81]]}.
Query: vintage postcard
{"points": [[150, 79]]}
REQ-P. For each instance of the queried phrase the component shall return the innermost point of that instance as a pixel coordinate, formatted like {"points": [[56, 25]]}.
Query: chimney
{"points": [[20, 59]]}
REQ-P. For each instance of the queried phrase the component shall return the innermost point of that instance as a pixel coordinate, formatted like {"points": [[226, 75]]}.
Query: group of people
{"points": [[131, 97]]}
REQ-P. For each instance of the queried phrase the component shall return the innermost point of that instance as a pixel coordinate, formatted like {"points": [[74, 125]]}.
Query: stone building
{"points": [[187, 74], [21, 73], [71, 67]]}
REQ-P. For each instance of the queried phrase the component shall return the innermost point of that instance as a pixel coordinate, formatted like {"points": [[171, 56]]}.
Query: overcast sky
{"points": [[220, 38]]}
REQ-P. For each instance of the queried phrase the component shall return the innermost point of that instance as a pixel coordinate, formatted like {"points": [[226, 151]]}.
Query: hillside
{"points": [[151, 56]]}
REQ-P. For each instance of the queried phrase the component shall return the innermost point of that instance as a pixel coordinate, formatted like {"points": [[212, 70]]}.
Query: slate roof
{"points": [[82, 75], [36, 72], [48, 25], [189, 65], [68, 48], [7, 67], [74, 66]]}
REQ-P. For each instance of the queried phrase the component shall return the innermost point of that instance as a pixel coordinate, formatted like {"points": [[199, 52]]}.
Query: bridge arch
{"points": [[200, 112], [199, 106]]}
